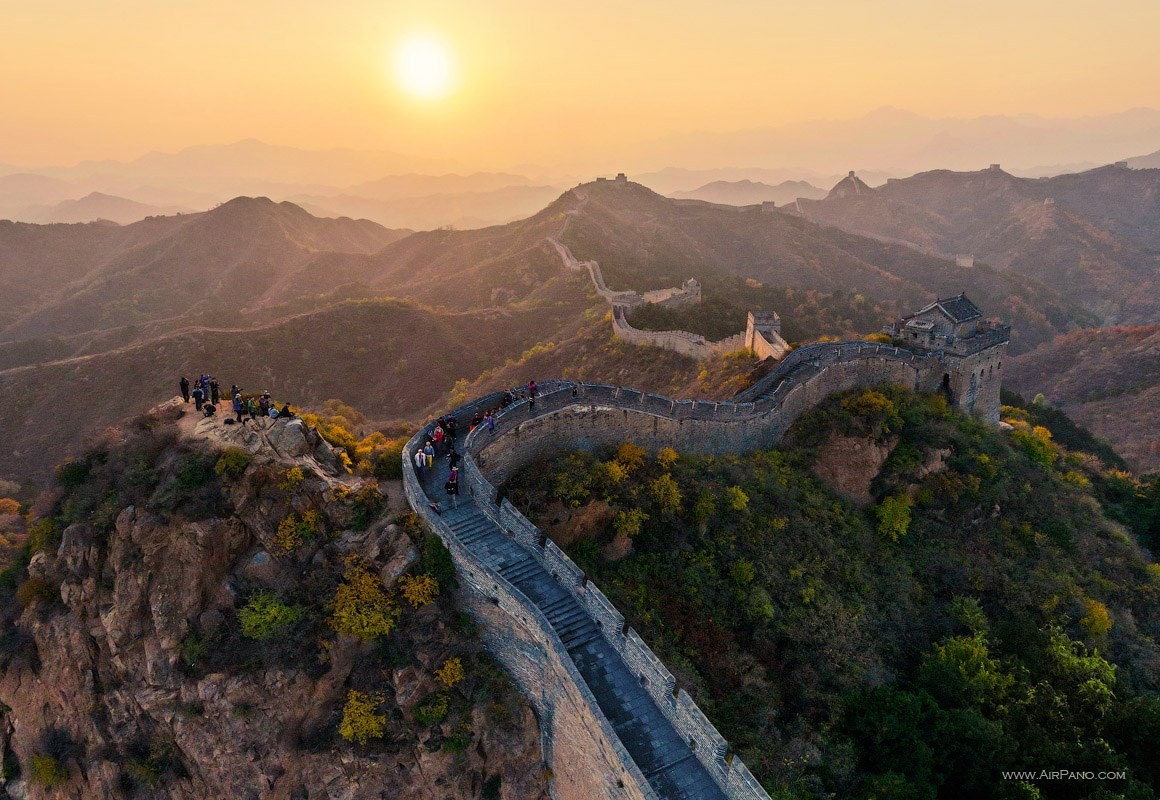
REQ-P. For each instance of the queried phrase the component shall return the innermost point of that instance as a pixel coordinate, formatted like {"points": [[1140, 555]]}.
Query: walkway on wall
{"points": [[665, 759]]}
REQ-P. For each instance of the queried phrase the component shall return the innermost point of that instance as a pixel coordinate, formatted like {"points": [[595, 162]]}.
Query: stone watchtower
{"points": [[971, 349]]}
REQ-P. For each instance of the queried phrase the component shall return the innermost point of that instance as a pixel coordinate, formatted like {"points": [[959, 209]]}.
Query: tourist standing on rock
{"points": [[214, 391], [184, 388], [198, 397], [239, 409], [252, 407], [264, 404]]}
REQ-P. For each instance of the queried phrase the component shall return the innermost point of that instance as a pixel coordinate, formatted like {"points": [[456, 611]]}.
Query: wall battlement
{"points": [[570, 415]]}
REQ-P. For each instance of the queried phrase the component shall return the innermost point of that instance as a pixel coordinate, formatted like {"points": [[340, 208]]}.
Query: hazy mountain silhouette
{"points": [[243, 254], [902, 142], [463, 209], [747, 192], [98, 206], [1094, 234], [226, 167]]}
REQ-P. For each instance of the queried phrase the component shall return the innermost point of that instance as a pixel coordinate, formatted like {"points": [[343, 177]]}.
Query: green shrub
{"points": [[194, 649], [72, 473], [388, 463], [265, 616], [894, 516], [34, 589], [628, 523], [366, 503], [296, 529], [232, 463], [433, 709], [45, 770], [43, 535], [195, 471], [736, 499], [292, 478], [665, 492]]}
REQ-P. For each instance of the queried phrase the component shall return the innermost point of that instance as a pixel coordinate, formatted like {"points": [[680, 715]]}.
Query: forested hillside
{"points": [[897, 601]]}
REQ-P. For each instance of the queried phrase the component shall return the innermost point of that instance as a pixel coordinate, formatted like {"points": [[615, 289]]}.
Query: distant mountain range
{"points": [[97, 206], [747, 192], [1095, 235], [380, 185], [900, 143], [266, 289]]}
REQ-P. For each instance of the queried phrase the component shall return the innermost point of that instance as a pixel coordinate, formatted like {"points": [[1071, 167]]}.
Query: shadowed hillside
{"points": [[389, 358], [1106, 379], [239, 255]]}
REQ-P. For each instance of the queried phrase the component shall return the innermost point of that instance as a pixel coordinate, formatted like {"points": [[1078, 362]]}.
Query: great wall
{"points": [[762, 334], [614, 722]]}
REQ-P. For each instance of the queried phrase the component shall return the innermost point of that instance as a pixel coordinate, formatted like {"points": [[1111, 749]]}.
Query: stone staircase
{"points": [[666, 760]]}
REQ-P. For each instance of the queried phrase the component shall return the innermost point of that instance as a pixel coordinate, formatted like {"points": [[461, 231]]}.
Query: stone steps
{"points": [[668, 763]]}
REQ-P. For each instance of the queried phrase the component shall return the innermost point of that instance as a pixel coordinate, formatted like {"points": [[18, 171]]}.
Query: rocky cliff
{"points": [[204, 616]]}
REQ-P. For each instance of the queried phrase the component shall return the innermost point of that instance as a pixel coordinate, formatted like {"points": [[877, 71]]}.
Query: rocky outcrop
{"points": [[849, 464], [127, 676]]}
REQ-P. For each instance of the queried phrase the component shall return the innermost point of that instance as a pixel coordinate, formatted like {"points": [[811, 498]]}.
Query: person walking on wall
{"points": [[452, 489], [184, 388], [438, 437], [429, 452]]}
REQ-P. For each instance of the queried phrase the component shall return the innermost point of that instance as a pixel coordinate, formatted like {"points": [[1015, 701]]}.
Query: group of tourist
{"points": [[206, 396], [440, 441]]}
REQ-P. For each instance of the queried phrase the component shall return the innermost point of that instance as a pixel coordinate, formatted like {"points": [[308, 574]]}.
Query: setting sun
{"points": [[423, 67]]}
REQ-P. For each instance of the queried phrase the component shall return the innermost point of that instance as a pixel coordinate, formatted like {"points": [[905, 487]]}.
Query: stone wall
{"points": [[580, 746], [584, 753], [689, 344]]}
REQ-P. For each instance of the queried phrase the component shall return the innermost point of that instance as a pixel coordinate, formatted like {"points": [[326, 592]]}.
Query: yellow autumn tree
{"points": [[361, 607], [451, 672], [420, 590], [361, 721]]}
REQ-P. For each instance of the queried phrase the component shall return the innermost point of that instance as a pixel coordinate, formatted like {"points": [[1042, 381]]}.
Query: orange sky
{"points": [[537, 81]]}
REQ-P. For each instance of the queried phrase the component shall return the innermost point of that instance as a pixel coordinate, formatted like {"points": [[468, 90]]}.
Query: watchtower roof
{"points": [[958, 308]]}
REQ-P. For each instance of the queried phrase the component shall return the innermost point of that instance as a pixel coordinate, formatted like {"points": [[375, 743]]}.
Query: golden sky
{"points": [[537, 81]]}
